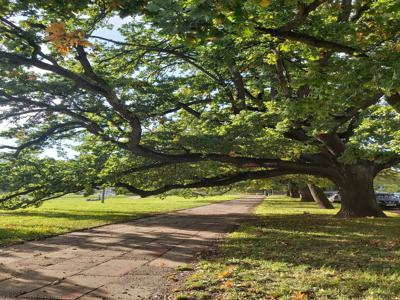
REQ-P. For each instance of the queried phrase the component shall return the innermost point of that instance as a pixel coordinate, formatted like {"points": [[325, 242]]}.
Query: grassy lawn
{"points": [[73, 212], [296, 251]]}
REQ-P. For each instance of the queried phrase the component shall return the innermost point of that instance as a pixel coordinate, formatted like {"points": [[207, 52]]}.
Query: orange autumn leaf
{"points": [[55, 31], [228, 284], [224, 274], [62, 40], [299, 296], [85, 43]]}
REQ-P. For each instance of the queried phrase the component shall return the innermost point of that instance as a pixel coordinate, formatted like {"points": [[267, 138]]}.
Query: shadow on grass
{"points": [[280, 254], [99, 213], [71, 214], [322, 241]]}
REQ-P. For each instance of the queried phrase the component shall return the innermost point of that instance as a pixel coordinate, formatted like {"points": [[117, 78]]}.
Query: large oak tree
{"points": [[199, 93]]}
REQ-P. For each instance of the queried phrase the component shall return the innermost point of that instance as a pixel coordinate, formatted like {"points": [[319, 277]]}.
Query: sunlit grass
{"points": [[74, 212], [298, 251]]}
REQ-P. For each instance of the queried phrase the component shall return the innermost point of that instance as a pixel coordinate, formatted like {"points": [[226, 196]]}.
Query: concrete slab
{"points": [[115, 267]]}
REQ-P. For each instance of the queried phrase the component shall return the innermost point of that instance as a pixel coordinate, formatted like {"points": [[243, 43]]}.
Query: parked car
{"points": [[330, 193], [335, 198], [387, 200]]}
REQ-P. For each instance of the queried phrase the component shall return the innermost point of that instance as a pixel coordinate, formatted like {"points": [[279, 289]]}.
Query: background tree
{"points": [[293, 189], [203, 93], [318, 196], [312, 190], [305, 194]]}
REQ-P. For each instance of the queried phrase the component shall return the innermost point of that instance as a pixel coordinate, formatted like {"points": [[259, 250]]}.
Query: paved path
{"points": [[121, 261]]}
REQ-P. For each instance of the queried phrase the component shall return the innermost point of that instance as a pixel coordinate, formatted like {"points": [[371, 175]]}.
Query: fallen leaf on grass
{"points": [[225, 273], [299, 296], [228, 284]]}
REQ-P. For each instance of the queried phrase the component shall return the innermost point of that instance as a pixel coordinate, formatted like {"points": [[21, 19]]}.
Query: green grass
{"points": [[297, 251], [73, 212]]}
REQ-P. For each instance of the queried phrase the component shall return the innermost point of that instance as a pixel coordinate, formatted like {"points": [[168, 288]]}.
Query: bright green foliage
{"points": [[390, 180], [198, 93], [296, 249], [73, 212]]}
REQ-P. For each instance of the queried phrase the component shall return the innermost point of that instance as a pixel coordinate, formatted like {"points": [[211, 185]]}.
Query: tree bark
{"points": [[394, 101], [293, 190], [319, 196], [357, 192], [102, 195], [305, 195]]}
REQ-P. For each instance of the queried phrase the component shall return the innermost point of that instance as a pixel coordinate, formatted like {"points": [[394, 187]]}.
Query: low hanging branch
{"points": [[206, 182], [40, 137]]}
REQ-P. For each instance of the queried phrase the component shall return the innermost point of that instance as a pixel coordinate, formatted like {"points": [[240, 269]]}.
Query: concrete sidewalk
{"points": [[121, 261]]}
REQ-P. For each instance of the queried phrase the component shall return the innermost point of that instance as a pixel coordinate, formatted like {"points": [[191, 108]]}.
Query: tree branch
{"points": [[179, 106], [205, 182], [79, 80], [223, 180], [16, 194], [303, 11], [394, 101], [188, 109], [76, 78], [350, 113], [390, 163], [311, 40], [91, 126], [345, 12], [43, 136], [283, 77]]}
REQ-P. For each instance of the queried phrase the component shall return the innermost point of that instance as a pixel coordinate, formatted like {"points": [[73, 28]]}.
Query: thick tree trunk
{"points": [[319, 196], [293, 190], [357, 193], [305, 195]]}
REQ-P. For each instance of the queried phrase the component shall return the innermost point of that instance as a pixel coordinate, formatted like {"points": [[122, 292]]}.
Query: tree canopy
{"points": [[199, 93]]}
